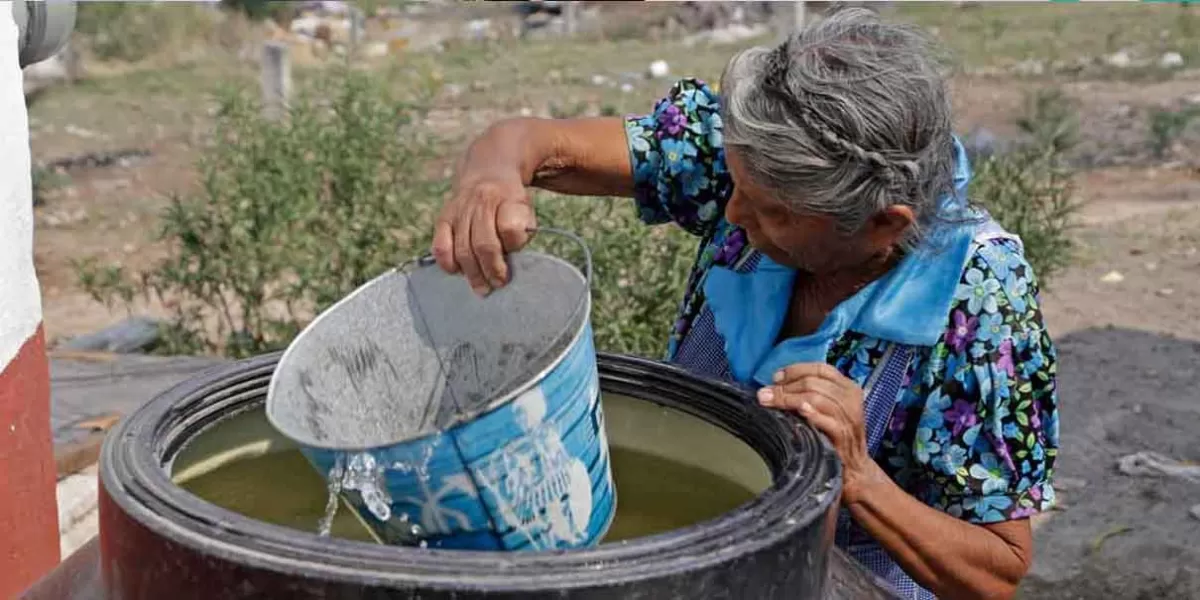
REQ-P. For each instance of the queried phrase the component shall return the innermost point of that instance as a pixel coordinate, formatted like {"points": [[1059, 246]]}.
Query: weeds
{"points": [[292, 217], [639, 271], [45, 180], [1030, 190], [129, 31], [1167, 126], [1050, 119]]}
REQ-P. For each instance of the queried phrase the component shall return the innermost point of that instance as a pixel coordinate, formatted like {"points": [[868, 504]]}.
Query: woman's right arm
{"points": [[671, 161], [490, 212]]}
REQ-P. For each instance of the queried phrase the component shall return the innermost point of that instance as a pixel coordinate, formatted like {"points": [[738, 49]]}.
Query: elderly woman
{"points": [[841, 273]]}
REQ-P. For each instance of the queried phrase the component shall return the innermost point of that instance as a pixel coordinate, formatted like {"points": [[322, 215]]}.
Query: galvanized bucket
{"points": [[453, 420]]}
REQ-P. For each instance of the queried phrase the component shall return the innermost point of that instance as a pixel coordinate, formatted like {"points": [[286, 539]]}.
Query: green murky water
{"points": [[654, 494]]}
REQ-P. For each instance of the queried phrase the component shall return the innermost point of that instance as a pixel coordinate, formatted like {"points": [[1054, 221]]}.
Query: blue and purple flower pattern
{"points": [[976, 431]]}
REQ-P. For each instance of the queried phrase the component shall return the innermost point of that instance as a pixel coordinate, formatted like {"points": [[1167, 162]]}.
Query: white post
{"points": [[276, 79], [571, 17], [357, 23]]}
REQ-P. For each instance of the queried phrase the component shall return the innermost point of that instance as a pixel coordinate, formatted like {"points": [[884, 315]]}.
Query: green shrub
{"points": [[1167, 125], [133, 31], [1029, 190], [640, 271], [291, 217]]}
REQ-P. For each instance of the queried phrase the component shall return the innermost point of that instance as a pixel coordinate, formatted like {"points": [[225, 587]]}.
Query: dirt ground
{"points": [[1124, 316]]}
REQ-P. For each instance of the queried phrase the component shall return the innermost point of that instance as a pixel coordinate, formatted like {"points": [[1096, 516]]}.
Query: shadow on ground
{"points": [[1119, 536]]}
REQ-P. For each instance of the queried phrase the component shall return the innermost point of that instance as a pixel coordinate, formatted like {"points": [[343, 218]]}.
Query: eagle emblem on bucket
{"points": [[533, 485]]}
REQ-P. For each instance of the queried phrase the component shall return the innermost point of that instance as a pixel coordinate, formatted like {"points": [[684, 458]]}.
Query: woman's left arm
{"points": [[948, 556]]}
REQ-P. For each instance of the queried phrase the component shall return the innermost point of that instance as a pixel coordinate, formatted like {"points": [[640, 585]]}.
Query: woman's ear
{"points": [[888, 227]]}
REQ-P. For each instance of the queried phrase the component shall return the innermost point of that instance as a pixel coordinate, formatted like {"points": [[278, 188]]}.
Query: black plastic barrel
{"points": [[159, 541]]}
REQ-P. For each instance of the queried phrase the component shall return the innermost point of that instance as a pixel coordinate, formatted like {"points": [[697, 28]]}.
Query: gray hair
{"points": [[845, 118]]}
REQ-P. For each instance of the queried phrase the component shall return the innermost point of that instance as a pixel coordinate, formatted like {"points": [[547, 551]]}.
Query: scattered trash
{"points": [[1151, 266], [132, 335], [64, 217], [1171, 60], [1165, 292], [1069, 483], [729, 34], [1119, 60], [1153, 464], [478, 29], [79, 131], [1098, 541], [93, 160], [599, 80], [1113, 277], [1030, 67], [100, 423], [376, 50], [1195, 511], [659, 69], [626, 87]]}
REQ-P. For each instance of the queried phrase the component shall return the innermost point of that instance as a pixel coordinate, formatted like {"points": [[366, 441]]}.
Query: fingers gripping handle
{"points": [[428, 259]]}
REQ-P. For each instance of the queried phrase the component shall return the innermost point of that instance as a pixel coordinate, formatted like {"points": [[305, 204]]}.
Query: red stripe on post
{"points": [[28, 509]]}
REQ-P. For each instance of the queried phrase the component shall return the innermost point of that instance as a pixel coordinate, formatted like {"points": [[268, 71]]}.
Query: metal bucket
{"points": [[455, 420]]}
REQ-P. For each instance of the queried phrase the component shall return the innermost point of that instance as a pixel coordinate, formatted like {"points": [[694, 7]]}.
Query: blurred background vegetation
{"points": [[285, 217]]}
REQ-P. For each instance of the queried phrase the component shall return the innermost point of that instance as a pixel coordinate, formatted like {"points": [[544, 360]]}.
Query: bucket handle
{"points": [[428, 259]]}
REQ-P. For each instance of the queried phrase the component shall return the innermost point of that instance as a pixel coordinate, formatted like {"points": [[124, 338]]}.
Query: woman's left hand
{"points": [[833, 404]]}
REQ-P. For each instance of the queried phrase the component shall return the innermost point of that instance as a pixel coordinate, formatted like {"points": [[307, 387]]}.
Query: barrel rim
{"points": [[583, 313], [136, 461]]}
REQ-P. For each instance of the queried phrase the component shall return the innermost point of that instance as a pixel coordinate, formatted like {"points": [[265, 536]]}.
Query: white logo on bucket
{"points": [[538, 488]]}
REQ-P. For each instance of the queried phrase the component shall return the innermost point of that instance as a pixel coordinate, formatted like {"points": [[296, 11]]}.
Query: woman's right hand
{"points": [[489, 215]]}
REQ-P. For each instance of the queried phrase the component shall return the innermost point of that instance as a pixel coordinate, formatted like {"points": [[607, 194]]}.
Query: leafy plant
{"points": [[1050, 118], [1030, 189], [640, 271], [131, 31], [1166, 127], [44, 181], [1030, 193], [292, 216]]}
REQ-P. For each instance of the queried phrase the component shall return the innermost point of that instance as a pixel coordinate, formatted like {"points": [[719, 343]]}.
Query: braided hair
{"points": [[847, 117], [896, 173]]}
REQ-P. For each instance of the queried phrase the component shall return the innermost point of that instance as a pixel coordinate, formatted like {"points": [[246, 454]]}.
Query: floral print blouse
{"points": [[975, 434]]}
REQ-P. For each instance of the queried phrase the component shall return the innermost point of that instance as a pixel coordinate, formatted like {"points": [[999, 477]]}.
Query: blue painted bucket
{"points": [[453, 420]]}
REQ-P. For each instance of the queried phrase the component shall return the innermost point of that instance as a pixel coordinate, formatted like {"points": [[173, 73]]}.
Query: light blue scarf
{"points": [[909, 305]]}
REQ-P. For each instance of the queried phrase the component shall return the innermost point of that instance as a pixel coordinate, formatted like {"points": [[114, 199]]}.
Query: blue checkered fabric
{"points": [[702, 350], [883, 391]]}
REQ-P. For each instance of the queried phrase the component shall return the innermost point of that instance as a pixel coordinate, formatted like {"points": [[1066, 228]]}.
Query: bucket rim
{"points": [[271, 402]]}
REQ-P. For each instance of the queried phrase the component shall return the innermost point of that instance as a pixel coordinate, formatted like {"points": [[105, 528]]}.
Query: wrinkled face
{"points": [[809, 242]]}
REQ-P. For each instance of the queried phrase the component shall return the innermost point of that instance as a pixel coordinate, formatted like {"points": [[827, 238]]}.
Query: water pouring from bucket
{"points": [[453, 420]]}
